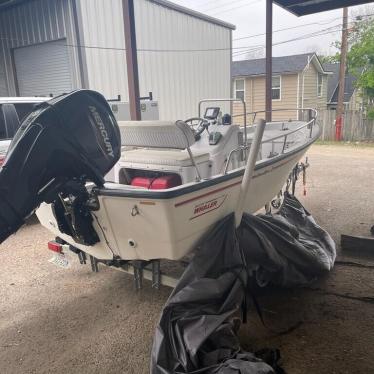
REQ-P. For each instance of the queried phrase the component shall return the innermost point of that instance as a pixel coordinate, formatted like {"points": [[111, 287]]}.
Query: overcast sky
{"points": [[249, 18]]}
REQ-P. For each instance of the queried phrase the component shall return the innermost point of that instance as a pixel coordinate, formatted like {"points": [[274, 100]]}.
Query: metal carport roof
{"points": [[304, 7]]}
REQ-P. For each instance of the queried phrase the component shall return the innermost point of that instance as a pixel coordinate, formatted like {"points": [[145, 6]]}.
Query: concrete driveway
{"points": [[74, 321]]}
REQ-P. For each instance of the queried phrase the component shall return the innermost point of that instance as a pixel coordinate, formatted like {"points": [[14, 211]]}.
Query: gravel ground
{"points": [[75, 321]]}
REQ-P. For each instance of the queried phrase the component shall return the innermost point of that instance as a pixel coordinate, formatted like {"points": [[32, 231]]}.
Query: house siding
{"points": [[298, 90], [288, 98], [310, 97], [255, 98], [356, 101], [237, 109]]}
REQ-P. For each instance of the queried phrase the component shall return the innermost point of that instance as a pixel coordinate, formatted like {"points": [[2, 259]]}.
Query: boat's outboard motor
{"points": [[62, 144]]}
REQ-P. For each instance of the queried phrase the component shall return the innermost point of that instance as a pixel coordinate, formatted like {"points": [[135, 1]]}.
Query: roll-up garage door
{"points": [[43, 69]]}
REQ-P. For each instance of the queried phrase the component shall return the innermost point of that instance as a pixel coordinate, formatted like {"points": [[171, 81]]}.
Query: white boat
{"points": [[176, 179]]}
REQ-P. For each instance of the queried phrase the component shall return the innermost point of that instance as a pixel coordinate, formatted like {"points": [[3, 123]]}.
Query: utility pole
{"points": [[343, 67], [269, 56], [131, 58]]}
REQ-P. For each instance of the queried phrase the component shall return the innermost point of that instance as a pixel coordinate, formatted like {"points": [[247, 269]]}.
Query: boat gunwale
{"points": [[189, 188]]}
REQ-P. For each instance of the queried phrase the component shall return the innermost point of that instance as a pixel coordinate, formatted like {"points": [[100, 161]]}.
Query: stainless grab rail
{"points": [[310, 122], [245, 147], [277, 110], [241, 148]]}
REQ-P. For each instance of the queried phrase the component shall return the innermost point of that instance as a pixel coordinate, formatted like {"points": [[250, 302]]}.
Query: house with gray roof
{"points": [[299, 81], [352, 97]]}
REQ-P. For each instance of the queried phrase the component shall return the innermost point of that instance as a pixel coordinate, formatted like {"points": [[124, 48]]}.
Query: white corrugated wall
{"points": [[178, 80], [34, 22], [102, 33]]}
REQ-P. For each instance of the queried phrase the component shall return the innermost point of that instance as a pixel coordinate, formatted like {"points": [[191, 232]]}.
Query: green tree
{"points": [[330, 59], [361, 59]]}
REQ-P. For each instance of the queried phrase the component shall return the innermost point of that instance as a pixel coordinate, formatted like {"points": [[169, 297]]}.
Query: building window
{"points": [[319, 85], [276, 88], [239, 89]]}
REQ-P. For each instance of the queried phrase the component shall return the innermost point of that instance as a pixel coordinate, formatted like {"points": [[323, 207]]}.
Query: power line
{"points": [[197, 8], [299, 26], [237, 7], [280, 43], [174, 50], [310, 35], [330, 28], [288, 28], [138, 50], [208, 2], [302, 37], [228, 4], [249, 51], [246, 48], [307, 36], [222, 5]]}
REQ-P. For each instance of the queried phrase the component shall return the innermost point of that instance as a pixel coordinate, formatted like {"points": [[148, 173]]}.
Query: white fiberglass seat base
{"points": [[163, 157]]}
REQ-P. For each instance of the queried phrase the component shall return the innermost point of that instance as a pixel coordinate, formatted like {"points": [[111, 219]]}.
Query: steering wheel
{"points": [[197, 125]]}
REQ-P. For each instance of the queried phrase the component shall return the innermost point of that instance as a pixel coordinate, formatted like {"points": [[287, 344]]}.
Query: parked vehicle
{"points": [[12, 111]]}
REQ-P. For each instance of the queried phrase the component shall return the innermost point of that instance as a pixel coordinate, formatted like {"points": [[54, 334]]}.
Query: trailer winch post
{"points": [[249, 170]]}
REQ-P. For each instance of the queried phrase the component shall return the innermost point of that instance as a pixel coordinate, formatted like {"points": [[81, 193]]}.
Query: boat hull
{"points": [[168, 226]]}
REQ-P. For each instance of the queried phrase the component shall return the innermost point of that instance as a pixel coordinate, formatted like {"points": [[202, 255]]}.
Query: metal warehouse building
{"points": [[55, 46]]}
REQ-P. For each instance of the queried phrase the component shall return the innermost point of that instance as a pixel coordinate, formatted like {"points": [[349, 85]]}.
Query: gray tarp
{"points": [[195, 332]]}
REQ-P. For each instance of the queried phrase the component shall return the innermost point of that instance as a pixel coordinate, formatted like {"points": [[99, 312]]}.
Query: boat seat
{"points": [[172, 157], [156, 134]]}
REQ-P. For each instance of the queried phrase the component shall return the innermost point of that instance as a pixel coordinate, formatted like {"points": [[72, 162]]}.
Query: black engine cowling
{"points": [[72, 138]]}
